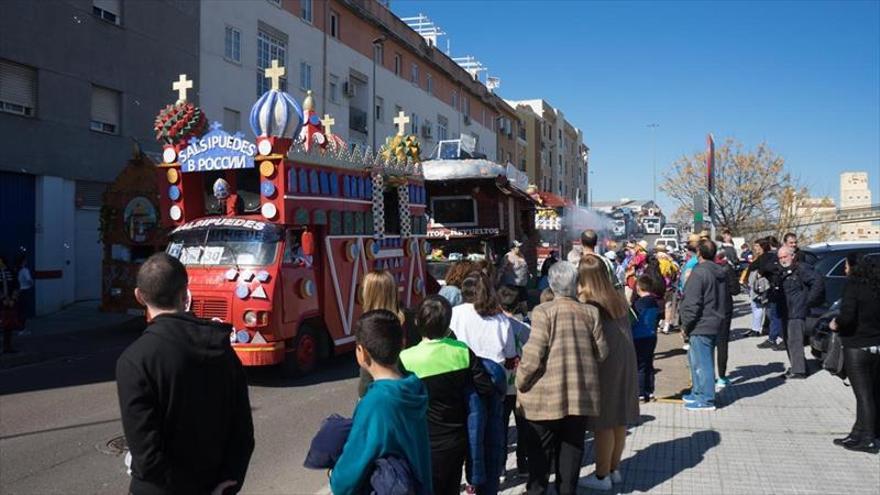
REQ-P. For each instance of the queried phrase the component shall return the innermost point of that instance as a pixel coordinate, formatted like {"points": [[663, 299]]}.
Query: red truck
{"points": [[277, 235]]}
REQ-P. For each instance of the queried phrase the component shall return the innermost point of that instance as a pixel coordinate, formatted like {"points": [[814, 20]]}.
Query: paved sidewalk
{"points": [[768, 436], [53, 335]]}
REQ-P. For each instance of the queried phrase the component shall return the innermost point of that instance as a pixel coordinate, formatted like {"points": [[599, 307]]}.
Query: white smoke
{"points": [[576, 219]]}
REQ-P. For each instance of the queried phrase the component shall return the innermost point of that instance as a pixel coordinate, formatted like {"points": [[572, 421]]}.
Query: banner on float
{"points": [[217, 150]]}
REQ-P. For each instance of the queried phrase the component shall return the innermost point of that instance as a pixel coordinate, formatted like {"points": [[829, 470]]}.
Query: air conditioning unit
{"points": [[348, 89], [427, 131], [467, 120]]}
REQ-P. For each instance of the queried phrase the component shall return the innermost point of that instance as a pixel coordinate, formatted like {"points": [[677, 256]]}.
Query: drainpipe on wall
{"points": [[324, 63]]}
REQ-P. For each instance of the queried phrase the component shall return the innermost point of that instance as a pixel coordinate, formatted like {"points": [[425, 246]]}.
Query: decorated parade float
{"points": [[130, 231], [477, 209], [548, 223], [277, 234]]}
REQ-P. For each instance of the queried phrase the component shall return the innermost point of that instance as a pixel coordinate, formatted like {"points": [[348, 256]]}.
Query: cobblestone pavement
{"points": [[767, 436]]}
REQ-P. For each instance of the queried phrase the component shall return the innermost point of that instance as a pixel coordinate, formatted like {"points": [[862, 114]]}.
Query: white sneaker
{"points": [[616, 477], [686, 347], [595, 483]]}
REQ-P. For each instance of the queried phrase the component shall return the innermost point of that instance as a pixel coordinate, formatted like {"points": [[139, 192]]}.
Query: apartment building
{"points": [[855, 192], [558, 158], [80, 84], [361, 62]]}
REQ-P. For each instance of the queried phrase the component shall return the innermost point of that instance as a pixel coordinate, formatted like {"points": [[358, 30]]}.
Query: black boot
{"points": [[841, 441], [860, 445]]}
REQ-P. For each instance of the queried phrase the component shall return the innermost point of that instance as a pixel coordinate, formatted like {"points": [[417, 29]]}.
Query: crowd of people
{"points": [[439, 382]]}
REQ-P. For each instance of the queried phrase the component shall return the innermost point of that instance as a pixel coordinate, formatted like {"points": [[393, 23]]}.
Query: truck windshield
{"points": [[219, 246]]}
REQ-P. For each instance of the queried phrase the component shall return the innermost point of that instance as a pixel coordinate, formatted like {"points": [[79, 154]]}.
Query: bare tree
{"points": [[750, 185]]}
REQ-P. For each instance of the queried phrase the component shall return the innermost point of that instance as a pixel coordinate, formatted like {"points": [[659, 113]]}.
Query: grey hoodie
{"points": [[707, 302]]}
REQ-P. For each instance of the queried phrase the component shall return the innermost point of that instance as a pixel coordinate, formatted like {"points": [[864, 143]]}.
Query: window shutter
{"points": [[105, 105], [111, 6], [18, 84]]}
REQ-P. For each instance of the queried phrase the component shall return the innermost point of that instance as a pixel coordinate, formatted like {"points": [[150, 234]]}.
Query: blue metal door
{"points": [[17, 220]]}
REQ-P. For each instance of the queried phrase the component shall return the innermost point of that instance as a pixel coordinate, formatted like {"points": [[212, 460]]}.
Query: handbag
{"points": [[834, 361]]}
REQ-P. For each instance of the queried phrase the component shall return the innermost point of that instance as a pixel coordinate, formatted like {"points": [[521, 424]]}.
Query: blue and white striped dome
{"points": [[276, 114]]}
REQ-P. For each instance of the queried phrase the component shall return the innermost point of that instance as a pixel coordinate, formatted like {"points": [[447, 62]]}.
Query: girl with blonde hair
{"points": [[379, 291], [618, 380]]}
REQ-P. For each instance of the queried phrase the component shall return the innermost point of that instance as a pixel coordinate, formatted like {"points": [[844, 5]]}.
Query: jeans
{"points": [[863, 369], [794, 345], [645, 359], [561, 443], [775, 323], [757, 317], [702, 366]]}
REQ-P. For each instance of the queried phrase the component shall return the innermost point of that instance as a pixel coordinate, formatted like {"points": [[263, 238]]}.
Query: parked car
{"points": [[828, 259], [821, 333], [670, 243]]}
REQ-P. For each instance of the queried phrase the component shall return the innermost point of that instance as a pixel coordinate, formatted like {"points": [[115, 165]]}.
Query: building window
{"points": [[379, 54], [398, 63], [107, 10], [334, 24], [232, 45], [455, 99], [430, 84], [306, 10], [380, 109], [105, 110], [231, 120], [305, 76], [414, 74], [442, 127], [466, 105], [269, 47], [414, 122], [18, 89], [334, 88]]}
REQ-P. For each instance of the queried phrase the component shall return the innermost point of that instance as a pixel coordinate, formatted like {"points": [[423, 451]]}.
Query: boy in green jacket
{"points": [[390, 419]]}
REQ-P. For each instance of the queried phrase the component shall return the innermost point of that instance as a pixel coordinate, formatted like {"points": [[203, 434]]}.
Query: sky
{"points": [[802, 76]]}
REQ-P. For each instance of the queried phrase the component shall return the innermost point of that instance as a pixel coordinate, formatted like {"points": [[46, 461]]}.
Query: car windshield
{"points": [[218, 246]]}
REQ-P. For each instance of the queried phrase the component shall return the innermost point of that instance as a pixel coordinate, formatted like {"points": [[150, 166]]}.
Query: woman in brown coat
{"points": [[618, 382]]}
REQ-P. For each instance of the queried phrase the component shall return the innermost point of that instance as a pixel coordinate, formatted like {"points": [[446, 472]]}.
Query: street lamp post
{"points": [[653, 127], [377, 45]]}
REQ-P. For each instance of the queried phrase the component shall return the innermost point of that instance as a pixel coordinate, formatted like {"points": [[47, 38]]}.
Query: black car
{"points": [[821, 333], [828, 260]]}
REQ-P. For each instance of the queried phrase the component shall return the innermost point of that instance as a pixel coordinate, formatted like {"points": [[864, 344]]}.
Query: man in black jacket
{"points": [[705, 309], [183, 394], [802, 288]]}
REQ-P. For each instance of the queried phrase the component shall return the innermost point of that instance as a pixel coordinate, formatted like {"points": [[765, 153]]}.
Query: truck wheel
{"points": [[305, 355]]}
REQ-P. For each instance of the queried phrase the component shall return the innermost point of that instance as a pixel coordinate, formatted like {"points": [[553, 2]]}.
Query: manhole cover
{"points": [[115, 446]]}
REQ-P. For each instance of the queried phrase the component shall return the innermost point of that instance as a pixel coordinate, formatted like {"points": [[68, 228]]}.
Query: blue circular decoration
{"points": [[242, 291], [314, 120], [263, 276], [267, 188], [242, 336], [376, 247], [174, 193]]}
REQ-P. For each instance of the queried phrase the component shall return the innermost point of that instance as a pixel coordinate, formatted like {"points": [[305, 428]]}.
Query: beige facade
{"points": [[557, 160], [855, 193]]}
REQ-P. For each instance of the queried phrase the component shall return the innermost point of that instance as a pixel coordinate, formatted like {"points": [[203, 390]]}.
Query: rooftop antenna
{"points": [[492, 82], [472, 65], [425, 27]]}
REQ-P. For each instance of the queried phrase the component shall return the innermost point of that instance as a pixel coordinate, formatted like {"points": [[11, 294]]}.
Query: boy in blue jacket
{"points": [[644, 332], [390, 420]]}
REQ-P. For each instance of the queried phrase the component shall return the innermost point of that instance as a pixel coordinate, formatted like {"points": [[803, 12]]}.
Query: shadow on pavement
{"points": [[743, 384], [660, 462], [341, 367]]}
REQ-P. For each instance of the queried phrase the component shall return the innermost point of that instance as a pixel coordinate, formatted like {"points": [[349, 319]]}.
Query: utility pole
{"points": [[654, 127]]}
